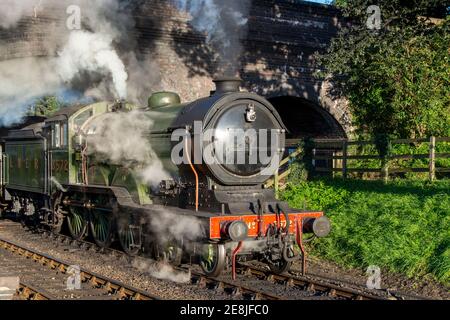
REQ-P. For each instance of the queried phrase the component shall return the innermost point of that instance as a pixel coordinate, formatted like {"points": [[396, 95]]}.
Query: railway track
{"points": [[29, 292], [196, 278], [314, 285], [53, 275]]}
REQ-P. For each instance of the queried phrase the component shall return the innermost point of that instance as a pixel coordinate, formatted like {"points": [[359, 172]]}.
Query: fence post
{"points": [[276, 181], [313, 162], [385, 171], [344, 159], [432, 158], [333, 164]]}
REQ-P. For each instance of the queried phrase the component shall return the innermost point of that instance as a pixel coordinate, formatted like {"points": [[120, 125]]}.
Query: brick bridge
{"points": [[277, 61]]}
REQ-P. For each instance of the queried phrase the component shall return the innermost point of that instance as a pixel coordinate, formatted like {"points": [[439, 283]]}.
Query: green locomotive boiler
{"points": [[51, 176]]}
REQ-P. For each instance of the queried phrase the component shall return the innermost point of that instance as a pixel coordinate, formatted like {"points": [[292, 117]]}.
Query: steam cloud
{"points": [[162, 271], [122, 138], [225, 23], [22, 81], [86, 60], [170, 228], [92, 52], [11, 11], [83, 60]]}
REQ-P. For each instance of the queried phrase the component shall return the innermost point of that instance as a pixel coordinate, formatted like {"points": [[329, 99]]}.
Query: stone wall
{"points": [[278, 50]]}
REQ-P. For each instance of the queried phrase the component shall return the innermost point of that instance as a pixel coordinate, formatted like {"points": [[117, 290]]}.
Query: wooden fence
{"points": [[386, 169], [336, 153]]}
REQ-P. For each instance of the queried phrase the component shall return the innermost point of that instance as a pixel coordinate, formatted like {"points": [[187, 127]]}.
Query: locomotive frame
{"points": [[48, 178]]}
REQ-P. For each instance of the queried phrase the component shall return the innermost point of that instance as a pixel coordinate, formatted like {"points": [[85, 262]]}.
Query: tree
{"points": [[397, 76], [45, 106]]}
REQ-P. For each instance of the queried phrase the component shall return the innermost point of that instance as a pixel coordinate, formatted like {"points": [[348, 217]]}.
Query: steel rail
{"points": [[118, 290], [235, 289], [324, 285], [197, 278], [29, 292], [309, 284]]}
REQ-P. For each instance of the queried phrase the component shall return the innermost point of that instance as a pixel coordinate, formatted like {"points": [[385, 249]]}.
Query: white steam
{"points": [[123, 138], [86, 61], [22, 81], [92, 52], [224, 22], [169, 226], [11, 11], [162, 271]]}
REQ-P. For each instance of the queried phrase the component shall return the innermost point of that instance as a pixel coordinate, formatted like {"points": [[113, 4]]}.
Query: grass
{"points": [[402, 226]]}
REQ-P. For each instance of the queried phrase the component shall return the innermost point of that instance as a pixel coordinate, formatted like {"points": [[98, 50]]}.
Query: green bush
{"points": [[403, 226], [397, 78]]}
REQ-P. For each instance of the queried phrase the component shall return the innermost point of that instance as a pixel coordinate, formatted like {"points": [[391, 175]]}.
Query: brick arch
{"points": [[306, 119], [277, 60]]}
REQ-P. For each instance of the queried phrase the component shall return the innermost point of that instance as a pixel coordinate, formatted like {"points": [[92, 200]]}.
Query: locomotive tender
{"points": [[49, 178]]}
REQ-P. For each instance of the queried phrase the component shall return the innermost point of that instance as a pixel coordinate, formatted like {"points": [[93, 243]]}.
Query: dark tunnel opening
{"points": [[305, 119]]}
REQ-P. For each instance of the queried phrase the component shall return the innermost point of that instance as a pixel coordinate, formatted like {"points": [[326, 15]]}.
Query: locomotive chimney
{"points": [[227, 85], [119, 105]]}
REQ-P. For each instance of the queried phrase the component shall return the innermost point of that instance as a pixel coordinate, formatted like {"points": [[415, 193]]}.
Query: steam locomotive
{"points": [[49, 178]]}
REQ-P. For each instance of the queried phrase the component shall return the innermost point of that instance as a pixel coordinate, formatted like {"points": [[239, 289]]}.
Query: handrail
{"points": [[277, 176], [193, 171]]}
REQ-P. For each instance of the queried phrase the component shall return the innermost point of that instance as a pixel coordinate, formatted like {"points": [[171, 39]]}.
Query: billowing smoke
{"points": [[92, 52], [83, 59], [172, 229], [169, 226], [22, 81], [123, 138], [161, 271], [225, 23], [11, 11]]}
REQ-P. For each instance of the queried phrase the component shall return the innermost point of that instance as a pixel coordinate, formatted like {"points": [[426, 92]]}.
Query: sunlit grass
{"points": [[403, 226]]}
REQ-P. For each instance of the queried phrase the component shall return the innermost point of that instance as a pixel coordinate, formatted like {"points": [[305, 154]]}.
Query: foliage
{"points": [[403, 226], [397, 79], [45, 106], [301, 167]]}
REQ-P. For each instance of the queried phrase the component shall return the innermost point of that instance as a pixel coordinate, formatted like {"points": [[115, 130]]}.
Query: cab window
{"points": [[64, 135], [59, 135], [56, 135], [81, 119]]}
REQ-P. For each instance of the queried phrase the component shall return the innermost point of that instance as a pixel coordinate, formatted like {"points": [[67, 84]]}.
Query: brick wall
{"points": [[277, 59]]}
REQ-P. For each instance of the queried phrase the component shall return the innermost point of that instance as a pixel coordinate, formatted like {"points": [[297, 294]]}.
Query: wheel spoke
{"points": [[77, 223], [213, 259], [101, 227], [129, 240]]}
